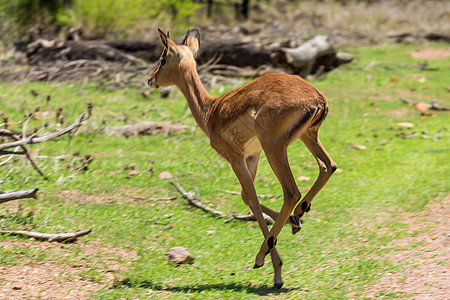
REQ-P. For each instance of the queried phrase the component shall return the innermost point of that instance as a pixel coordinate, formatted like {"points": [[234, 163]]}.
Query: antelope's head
{"points": [[175, 59]]}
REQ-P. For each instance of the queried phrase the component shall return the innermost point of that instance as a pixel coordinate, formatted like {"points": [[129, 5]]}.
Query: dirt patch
{"points": [[51, 279], [424, 256], [44, 280], [431, 53], [124, 196], [71, 196]]}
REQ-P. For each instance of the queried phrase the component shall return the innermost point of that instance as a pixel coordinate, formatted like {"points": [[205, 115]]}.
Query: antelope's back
{"points": [[271, 93]]}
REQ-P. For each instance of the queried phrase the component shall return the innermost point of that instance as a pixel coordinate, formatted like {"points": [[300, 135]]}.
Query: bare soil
{"points": [[423, 256], [44, 280], [431, 53], [51, 279]]}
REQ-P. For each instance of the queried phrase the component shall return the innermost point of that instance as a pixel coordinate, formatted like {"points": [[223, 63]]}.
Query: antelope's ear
{"points": [[192, 40], [167, 41], [163, 38]]}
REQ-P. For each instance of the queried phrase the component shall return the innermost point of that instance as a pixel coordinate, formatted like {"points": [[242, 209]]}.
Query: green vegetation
{"points": [[346, 242], [98, 18]]}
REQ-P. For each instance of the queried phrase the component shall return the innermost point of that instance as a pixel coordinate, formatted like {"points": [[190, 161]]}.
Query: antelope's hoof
{"points": [[295, 230], [256, 266], [259, 261], [295, 221], [278, 285]]}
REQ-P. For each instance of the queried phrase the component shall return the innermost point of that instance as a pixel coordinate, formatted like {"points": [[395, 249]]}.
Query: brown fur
{"points": [[271, 93]]}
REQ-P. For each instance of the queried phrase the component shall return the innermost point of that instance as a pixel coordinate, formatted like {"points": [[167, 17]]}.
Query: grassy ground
{"points": [[347, 242]]}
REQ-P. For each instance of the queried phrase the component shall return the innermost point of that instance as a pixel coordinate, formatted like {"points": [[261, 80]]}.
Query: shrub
{"points": [[119, 18], [98, 18]]}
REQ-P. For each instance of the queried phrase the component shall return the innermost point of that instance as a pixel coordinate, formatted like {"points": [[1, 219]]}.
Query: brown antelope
{"points": [[267, 114]]}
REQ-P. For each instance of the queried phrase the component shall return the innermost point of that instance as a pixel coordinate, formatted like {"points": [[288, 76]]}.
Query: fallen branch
{"points": [[190, 197], [261, 196], [51, 237], [14, 195], [15, 136], [36, 140], [7, 152], [35, 166], [250, 217]]}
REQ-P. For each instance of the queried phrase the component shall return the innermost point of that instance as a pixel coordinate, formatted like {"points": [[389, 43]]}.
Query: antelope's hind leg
{"points": [[326, 168], [294, 220], [278, 160]]}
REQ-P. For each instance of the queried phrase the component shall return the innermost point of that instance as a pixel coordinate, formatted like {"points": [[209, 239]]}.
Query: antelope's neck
{"points": [[198, 99]]}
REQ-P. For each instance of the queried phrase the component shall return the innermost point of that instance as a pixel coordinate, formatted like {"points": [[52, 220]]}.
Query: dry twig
{"points": [[51, 237], [250, 217], [35, 140], [190, 197]]}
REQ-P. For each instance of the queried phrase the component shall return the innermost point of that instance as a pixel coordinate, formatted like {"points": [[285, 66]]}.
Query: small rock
{"points": [[357, 146], [168, 227], [406, 124], [165, 175], [179, 255]]}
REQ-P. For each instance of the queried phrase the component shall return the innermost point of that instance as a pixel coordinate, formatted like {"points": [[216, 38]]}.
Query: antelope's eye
{"points": [[162, 61]]}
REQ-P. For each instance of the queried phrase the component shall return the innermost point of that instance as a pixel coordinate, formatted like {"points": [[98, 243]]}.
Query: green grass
{"points": [[343, 245]]}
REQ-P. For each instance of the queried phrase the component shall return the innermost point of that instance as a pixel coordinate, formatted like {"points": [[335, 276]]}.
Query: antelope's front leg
{"points": [[279, 162], [251, 199]]}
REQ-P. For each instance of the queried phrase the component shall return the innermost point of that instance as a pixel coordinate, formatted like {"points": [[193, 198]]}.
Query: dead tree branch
{"points": [[35, 140], [26, 153], [14, 195], [28, 156], [190, 197], [251, 217], [51, 237]]}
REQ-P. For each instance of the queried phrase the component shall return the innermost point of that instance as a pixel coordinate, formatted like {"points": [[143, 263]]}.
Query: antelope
{"points": [[267, 114]]}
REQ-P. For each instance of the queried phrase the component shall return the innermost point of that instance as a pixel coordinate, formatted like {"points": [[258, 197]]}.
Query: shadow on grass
{"points": [[258, 290]]}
